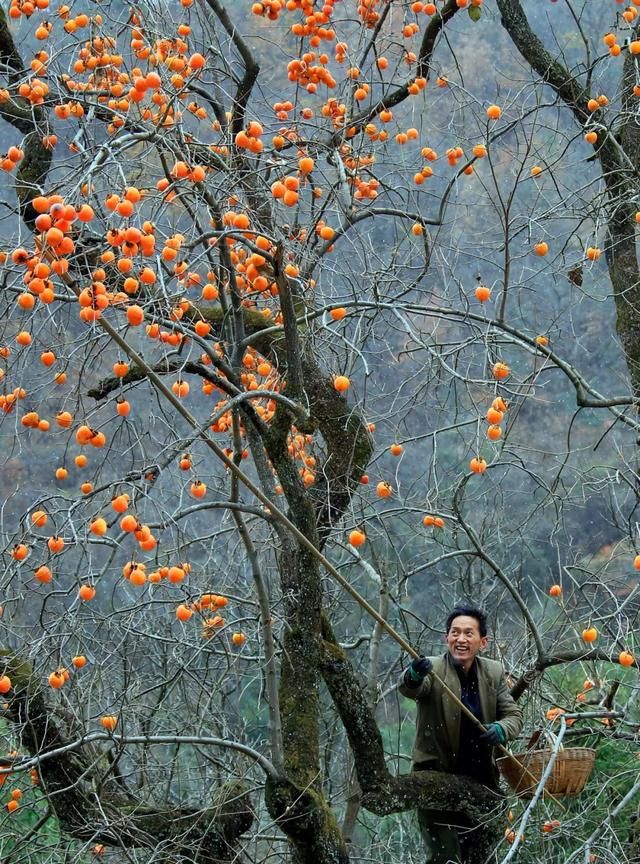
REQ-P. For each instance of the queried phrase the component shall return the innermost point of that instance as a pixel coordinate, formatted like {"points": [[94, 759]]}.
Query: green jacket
{"points": [[438, 721]]}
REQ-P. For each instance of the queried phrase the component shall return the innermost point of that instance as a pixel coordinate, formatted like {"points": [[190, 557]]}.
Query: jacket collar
{"points": [[477, 660]]}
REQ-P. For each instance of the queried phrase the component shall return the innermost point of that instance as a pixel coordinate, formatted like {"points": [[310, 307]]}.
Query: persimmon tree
{"points": [[297, 280]]}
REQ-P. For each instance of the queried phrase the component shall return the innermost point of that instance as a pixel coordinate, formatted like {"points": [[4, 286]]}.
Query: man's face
{"points": [[464, 640]]}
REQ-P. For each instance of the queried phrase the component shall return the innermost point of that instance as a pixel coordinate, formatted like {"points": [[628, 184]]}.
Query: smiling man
{"points": [[446, 739]]}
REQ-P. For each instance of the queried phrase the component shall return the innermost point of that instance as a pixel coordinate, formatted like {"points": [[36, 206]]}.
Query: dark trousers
{"points": [[446, 837]]}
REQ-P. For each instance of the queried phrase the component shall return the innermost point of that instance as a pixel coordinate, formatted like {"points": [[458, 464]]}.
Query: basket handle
{"points": [[535, 737], [533, 742]]}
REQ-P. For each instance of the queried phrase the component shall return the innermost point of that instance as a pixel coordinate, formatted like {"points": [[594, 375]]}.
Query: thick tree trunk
{"points": [[308, 821]]}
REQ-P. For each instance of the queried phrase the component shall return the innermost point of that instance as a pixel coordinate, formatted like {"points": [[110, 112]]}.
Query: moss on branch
{"points": [[357, 718], [208, 835], [300, 700], [268, 344], [308, 821], [111, 383]]}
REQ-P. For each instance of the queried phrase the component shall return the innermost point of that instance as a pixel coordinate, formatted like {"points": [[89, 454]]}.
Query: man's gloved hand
{"points": [[419, 669], [494, 735]]}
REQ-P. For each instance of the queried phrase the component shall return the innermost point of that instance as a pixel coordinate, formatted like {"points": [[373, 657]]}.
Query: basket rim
{"points": [[562, 754]]}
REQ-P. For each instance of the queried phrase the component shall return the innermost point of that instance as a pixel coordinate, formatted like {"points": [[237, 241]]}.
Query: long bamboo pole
{"points": [[276, 513]]}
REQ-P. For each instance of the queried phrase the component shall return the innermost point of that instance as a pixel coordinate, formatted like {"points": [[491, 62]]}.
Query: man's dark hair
{"points": [[471, 612]]}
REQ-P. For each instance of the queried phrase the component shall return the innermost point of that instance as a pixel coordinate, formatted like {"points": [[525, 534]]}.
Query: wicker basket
{"points": [[570, 771]]}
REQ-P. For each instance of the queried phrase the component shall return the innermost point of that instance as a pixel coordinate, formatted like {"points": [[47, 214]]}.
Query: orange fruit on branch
{"points": [[183, 612], [357, 537], [98, 527], [500, 371], [39, 518], [180, 388], [135, 315], [198, 489], [19, 552], [494, 416], [499, 404], [626, 659], [384, 489], [56, 679], [129, 523], [120, 503], [43, 574]]}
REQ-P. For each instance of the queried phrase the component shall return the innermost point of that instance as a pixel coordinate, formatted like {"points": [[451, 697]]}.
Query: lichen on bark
{"points": [[308, 820], [300, 706]]}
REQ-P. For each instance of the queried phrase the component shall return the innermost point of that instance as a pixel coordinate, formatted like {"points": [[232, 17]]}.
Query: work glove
{"points": [[420, 667], [494, 735]]}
